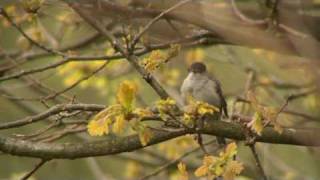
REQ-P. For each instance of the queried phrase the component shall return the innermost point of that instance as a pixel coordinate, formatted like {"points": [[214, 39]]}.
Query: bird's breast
{"points": [[201, 89]]}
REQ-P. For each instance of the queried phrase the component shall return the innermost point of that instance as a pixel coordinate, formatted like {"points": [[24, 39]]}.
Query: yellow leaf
{"points": [[183, 171], [166, 102], [164, 106], [98, 128], [157, 55], [217, 166], [188, 119], [256, 123], [231, 149], [201, 171], [205, 108], [182, 167], [119, 125], [208, 160], [126, 94], [154, 60], [233, 169], [143, 112], [218, 170], [145, 136]]}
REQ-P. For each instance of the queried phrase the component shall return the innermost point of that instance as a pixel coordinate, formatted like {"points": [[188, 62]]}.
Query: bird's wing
{"points": [[185, 90], [223, 103]]}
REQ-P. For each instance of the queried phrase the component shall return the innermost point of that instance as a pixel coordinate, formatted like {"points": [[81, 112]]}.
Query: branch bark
{"points": [[115, 145]]}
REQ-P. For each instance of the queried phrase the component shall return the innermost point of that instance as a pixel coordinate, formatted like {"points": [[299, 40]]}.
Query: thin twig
{"points": [[286, 111], [244, 17], [50, 112], [38, 132], [265, 21], [188, 41], [41, 163], [154, 20], [77, 82], [63, 133], [133, 60], [172, 162], [258, 163], [34, 70], [5, 15], [175, 28]]}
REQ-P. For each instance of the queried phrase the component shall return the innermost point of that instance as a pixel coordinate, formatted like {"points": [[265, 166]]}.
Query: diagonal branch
{"points": [[52, 51], [154, 20], [133, 60], [258, 162], [39, 165], [77, 82], [172, 162]]}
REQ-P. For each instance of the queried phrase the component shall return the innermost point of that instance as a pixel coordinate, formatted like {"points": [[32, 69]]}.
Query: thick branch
{"points": [[117, 145]]}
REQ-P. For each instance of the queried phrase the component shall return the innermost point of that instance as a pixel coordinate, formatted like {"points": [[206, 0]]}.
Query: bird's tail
{"points": [[221, 141]]}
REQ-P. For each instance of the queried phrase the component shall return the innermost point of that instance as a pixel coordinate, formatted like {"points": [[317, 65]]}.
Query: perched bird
{"points": [[202, 87]]}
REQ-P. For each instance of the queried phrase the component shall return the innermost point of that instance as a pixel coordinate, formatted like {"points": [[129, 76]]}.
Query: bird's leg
{"points": [[221, 140], [199, 126]]}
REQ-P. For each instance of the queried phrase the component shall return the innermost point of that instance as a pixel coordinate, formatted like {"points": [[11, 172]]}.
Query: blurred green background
{"points": [[228, 63]]}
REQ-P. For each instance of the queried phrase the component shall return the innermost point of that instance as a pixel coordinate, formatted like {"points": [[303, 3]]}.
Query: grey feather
{"points": [[204, 88]]}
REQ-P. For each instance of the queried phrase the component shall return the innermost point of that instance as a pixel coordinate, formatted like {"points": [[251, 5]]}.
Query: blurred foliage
{"points": [[127, 95], [224, 165]]}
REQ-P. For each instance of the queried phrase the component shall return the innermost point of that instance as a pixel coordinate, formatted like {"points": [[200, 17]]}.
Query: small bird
{"points": [[202, 87]]}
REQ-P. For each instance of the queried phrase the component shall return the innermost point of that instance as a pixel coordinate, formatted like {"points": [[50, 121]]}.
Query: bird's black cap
{"points": [[197, 67]]}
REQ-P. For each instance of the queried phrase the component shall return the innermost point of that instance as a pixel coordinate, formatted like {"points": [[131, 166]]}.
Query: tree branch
{"points": [[115, 145], [41, 163], [50, 112], [154, 20], [172, 162], [132, 59], [203, 38], [258, 162], [49, 50]]}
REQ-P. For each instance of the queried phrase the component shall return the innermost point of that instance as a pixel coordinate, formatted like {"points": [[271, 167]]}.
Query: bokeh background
{"points": [[277, 76]]}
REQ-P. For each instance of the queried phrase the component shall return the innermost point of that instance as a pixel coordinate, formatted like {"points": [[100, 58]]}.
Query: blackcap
{"points": [[203, 87]]}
